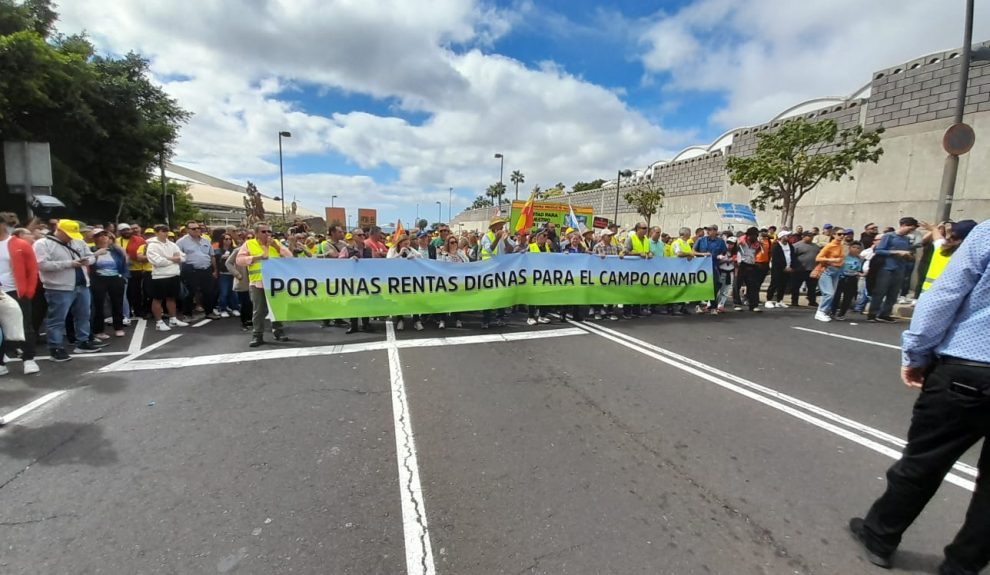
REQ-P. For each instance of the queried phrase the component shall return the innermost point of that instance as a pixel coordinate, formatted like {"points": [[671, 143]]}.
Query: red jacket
{"points": [[24, 265], [133, 243]]}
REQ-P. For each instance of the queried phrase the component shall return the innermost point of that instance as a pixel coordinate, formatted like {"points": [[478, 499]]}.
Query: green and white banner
{"points": [[303, 289]]}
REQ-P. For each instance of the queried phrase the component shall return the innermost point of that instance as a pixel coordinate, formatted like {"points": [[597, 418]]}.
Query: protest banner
{"points": [[550, 212], [303, 289]]}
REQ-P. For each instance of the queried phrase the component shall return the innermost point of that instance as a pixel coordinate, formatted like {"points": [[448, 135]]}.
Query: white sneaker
{"points": [[224, 314], [176, 322], [30, 366], [769, 305], [781, 304], [418, 326], [4, 370], [108, 321], [216, 311], [822, 317], [531, 321], [441, 325], [400, 325], [543, 319], [737, 308], [235, 313], [162, 326], [127, 321], [458, 324]]}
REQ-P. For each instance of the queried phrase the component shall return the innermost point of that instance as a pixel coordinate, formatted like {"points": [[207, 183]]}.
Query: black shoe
{"points": [[947, 568], [97, 343], [60, 355], [325, 323], [839, 318], [879, 559], [499, 323], [871, 318], [256, 341], [485, 326], [85, 347], [352, 329], [626, 316], [245, 327], [280, 336], [886, 319]]}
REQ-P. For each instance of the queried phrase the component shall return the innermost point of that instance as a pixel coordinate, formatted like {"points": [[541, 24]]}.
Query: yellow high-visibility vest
{"points": [[485, 254], [639, 246], [935, 269], [535, 248], [685, 246], [255, 249]]}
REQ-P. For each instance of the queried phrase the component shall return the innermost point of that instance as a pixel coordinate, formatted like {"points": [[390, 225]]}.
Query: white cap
{"points": [[122, 226]]}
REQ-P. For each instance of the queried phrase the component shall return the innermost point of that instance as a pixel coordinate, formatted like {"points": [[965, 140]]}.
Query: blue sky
{"points": [[393, 102]]}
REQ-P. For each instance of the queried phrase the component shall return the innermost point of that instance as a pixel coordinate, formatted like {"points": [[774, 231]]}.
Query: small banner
{"points": [[313, 289]]}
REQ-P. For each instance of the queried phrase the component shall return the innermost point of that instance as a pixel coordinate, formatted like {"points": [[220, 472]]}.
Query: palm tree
{"points": [[517, 178]]}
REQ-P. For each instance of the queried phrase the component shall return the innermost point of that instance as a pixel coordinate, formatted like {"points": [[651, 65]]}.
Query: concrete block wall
{"points": [[925, 89]]}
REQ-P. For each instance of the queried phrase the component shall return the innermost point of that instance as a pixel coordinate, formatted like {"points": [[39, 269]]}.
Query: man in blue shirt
{"points": [[712, 245], [946, 354], [897, 252]]}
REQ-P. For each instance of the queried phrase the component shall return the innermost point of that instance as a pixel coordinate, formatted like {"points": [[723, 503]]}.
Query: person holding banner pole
{"points": [[356, 252], [251, 254], [495, 243], [540, 246], [637, 245]]}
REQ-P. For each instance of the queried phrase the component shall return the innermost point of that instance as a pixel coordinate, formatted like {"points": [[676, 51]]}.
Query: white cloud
{"points": [[238, 63], [767, 55]]}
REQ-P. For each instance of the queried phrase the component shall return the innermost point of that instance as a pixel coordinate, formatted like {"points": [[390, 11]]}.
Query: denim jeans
{"points": [[60, 304], [228, 299], [828, 283]]}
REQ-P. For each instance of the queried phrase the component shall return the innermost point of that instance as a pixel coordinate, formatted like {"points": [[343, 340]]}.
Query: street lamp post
{"points": [[332, 198], [450, 199], [281, 178], [439, 210], [501, 166], [947, 189], [618, 179]]}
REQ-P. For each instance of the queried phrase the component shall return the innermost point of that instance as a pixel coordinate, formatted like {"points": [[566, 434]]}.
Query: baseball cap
{"points": [[849, 231], [783, 234], [70, 228], [123, 227], [348, 236], [961, 229], [731, 240], [607, 232], [149, 230], [827, 227], [422, 235]]}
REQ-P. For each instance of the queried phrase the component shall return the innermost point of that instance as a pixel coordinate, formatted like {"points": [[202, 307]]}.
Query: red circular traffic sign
{"points": [[958, 139]]}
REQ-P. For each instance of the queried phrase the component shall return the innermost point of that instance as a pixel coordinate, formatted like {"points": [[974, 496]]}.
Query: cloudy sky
{"points": [[392, 102]]}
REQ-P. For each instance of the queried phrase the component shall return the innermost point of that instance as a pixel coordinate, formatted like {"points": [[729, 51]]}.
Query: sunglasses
{"points": [[264, 231]]}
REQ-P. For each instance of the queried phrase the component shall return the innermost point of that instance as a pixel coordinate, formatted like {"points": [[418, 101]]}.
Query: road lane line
{"points": [[138, 337], [688, 365], [297, 352], [75, 356], [115, 366], [850, 338], [10, 417], [202, 323], [419, 552]]}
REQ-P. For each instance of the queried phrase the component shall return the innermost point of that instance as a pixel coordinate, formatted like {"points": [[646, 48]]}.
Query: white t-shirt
{"points": [[7, 282]]}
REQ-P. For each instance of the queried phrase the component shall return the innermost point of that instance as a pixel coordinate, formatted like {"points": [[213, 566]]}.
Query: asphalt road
{"points": [[732, 444]]}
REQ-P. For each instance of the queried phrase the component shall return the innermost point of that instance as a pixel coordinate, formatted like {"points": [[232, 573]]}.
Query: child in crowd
{"points": [[848, 288]]}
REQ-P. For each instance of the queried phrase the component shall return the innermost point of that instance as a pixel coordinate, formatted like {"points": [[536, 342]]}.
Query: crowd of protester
{"points": [[80, 285]]}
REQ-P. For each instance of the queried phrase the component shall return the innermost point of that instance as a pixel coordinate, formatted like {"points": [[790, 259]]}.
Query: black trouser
{"points": [[948, 419], [779, 280], [136, 294], [736, 287], [101, 287], [752, 277], [845, 294], [885, 290], [30, 335], [201, 281], [244, 297], [799, 277], [486, 316]]}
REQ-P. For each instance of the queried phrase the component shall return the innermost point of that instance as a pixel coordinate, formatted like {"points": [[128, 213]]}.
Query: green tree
{"points": [[792, 160], [646, 198], [496, 190], [107, 124], [584, 186], [554, 192], [517, 178], [481, 202], [145, 204], [421, 224]]}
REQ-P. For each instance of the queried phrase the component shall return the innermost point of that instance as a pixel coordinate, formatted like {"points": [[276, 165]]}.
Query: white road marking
{"points": [[138, 338], [694, 367], [877, 343], [419, 552], [296, 352], [202, 323], [115, 366], [10, 417], [76, 356]]}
